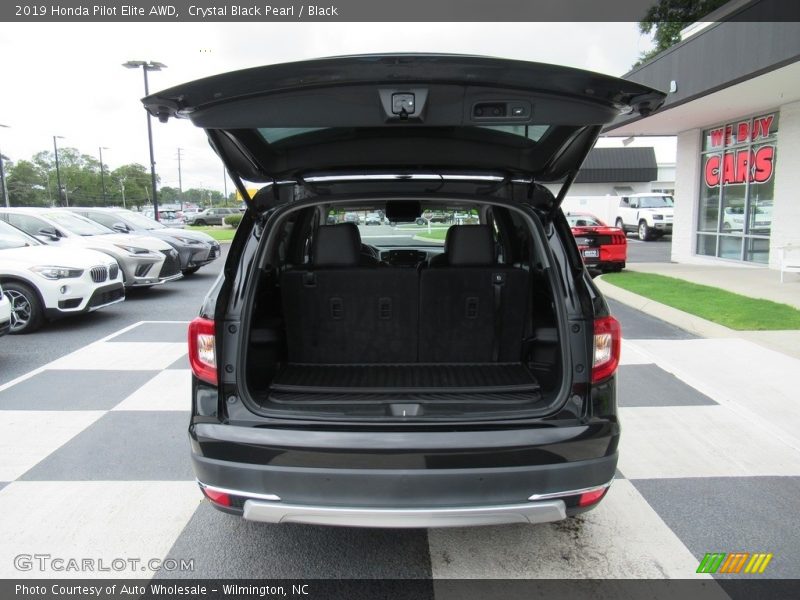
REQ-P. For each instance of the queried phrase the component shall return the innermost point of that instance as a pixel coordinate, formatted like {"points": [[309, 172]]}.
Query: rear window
{"points": [[279, 134], [429, 229]]}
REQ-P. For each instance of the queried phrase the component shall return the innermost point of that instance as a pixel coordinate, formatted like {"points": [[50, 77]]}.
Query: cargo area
{"points": [[453, 331]]}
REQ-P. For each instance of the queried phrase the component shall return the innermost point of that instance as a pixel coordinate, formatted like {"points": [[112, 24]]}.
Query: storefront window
{"points": [[736, 192]]}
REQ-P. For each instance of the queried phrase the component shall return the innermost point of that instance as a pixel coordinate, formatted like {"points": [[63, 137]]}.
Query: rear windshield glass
{"points": [[278, 134], [429, 229]]}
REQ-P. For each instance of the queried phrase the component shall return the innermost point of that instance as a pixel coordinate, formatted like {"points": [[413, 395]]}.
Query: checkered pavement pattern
{"points": [[95, 463]]}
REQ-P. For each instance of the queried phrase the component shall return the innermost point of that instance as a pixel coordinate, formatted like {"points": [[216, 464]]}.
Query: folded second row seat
{"points": [[464, 309]]}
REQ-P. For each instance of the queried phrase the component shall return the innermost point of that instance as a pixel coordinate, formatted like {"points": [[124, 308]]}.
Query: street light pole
{"points": [[3, 174], [58, 171], [148, 66], [102, 174]]}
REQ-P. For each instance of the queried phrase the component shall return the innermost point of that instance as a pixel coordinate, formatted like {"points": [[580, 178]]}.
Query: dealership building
{"points": [[734, 105]]}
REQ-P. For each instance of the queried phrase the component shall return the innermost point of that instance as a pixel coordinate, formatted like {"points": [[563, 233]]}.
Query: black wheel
{"points": [[620, 225], [190, 271], [645, 233], [26, 308], [200, 223]]}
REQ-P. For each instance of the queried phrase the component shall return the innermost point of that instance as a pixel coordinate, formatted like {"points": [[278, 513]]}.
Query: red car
{"points": [[602, 247]]}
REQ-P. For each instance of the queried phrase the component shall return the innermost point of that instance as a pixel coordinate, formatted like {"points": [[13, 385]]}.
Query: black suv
{"points": [[428, 377]]}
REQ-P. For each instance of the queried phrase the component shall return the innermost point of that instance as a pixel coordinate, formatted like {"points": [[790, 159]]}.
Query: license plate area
{"points": [[591, 253]]}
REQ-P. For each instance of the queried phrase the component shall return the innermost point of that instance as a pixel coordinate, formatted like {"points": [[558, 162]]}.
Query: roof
{"points": [[612, 165]]}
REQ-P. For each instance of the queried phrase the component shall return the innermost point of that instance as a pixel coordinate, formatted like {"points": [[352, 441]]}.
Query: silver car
{"points": [[144, 261], [195, 248]]}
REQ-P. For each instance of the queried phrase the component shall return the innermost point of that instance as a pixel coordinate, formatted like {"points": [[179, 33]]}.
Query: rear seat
{"points": [[468, 310], [339, 312], [471, 309]]}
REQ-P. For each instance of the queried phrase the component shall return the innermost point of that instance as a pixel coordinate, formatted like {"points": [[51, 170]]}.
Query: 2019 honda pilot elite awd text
{"points": [[404, 383]]}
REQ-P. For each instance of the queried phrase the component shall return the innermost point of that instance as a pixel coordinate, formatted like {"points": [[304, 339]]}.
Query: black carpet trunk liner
{"points": [[405, 378]]}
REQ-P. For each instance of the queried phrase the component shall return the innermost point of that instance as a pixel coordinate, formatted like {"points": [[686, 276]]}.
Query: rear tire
{"points": [[26, 308], [200, 223], [190, 271], [620, 225], [645, 233]]}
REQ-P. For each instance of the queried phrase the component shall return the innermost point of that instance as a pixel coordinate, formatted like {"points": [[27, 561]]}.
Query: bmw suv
{"points": [[461, 376]]}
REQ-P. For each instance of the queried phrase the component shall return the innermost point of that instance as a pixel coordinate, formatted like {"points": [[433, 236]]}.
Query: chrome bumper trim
{"points": [[533, 512]]}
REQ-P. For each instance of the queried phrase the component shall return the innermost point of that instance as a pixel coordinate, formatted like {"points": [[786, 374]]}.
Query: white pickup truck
{"points": [[649, 215]]}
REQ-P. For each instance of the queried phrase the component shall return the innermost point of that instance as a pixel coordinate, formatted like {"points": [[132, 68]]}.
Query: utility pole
{"points": [[180, 180], [102, 174], [58, 171], [225, 184], [3, 174]]}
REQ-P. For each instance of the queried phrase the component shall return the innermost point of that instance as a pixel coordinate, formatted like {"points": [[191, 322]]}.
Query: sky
{"points": [[66, 79]]}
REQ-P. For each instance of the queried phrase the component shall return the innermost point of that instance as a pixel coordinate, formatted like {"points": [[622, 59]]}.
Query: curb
{"points": [[673, 316], [785, 342]]}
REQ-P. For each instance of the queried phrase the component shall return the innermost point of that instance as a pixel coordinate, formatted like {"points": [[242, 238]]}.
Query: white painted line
{"points": [[28, 436], [38, 370], [119, 332], [630, 355], [169, 390], [100, 520], [699, 441], [758, 384], [130, 356]]}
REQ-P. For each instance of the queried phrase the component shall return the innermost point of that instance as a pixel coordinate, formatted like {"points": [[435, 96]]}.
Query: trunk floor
{"points": [[405, 378]]}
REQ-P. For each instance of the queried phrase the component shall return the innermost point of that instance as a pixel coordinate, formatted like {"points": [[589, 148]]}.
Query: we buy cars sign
{"points": [[746, 164]]}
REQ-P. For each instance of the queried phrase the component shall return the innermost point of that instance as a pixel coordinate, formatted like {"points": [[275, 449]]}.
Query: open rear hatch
{"points": [[410, 112], [408, 118]]}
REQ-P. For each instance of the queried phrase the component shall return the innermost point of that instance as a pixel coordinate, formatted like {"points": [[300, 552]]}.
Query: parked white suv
{"points": [[649, 215], [5, 313], [41, 282]]}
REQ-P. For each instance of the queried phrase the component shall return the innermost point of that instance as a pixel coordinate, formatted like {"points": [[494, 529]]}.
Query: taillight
{"points": [[607, 337], [592, 496], [202, 350], [216, 496]]}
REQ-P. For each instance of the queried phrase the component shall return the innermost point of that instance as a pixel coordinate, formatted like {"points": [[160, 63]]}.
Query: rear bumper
{"points": [[407, 487], [530, 512]]}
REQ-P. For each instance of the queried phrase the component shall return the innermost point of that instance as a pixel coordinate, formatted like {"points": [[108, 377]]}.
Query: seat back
{"points": [[472, 310], [339, 312]]}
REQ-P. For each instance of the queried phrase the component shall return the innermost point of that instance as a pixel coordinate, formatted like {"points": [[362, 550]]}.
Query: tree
{"points": [[668, 18], [27, 184], [134, 179]]}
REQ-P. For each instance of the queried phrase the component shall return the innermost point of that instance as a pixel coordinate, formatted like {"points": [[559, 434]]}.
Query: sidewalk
{"points": [[747, 281]]}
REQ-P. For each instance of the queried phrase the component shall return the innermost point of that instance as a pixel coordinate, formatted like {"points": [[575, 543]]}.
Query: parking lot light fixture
{"points": [[3, 174], [148, 66]]}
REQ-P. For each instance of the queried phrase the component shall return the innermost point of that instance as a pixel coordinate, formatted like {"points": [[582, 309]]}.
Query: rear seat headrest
{"points": [[337, 246], [469, 245]]}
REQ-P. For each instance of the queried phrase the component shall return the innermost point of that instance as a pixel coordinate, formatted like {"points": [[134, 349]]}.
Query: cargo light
{"points": [[607, 338], [202, 350]]}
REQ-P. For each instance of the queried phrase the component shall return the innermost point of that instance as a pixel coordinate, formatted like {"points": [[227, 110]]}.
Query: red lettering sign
{"points": [[738, 167], [742, 132]]}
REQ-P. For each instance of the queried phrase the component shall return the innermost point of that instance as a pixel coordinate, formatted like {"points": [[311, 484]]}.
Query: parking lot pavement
{"points": [[96, 464]]}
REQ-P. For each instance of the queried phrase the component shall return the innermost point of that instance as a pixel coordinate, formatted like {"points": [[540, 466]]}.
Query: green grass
{"points": [[713, 304], [435, 234], [221, 234]]}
